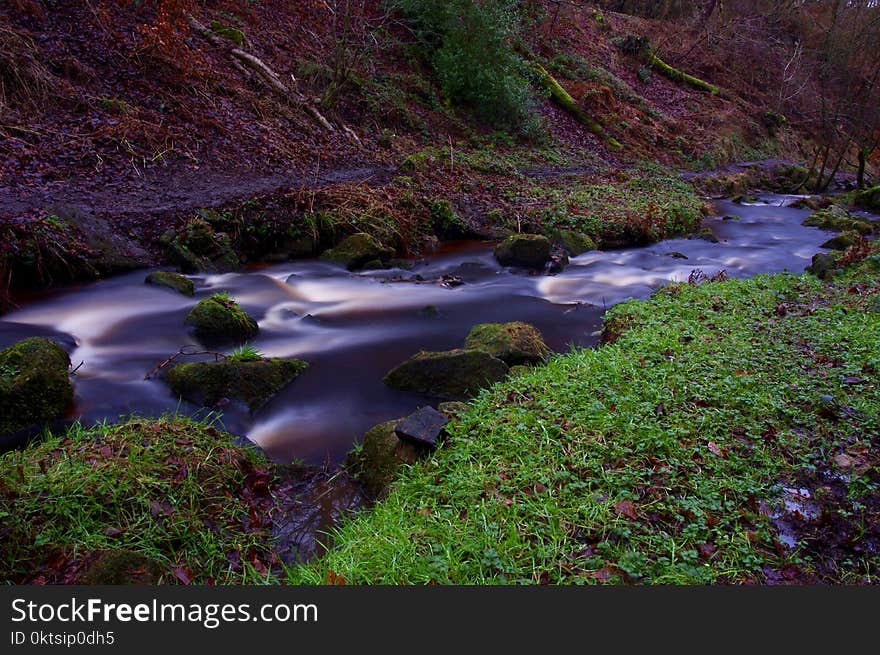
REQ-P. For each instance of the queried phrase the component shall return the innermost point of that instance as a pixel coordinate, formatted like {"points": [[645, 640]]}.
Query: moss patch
{"points": [[173, 497], [837, 218], [453, 374], [513, 343], [380, 457], [253, 382], [355, 251], [526, 250], [179, 283], [34, 383], [219, 319]]}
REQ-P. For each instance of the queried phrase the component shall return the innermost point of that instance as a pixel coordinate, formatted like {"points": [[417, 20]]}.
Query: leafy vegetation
{"points": [[674, 455], [170, 490]]}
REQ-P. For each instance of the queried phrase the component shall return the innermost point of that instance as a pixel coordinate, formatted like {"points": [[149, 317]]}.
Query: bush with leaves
{"points": [[472, 51]]}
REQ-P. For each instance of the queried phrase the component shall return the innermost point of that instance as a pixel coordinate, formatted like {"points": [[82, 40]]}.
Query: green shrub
{"points": [[471, 51]]}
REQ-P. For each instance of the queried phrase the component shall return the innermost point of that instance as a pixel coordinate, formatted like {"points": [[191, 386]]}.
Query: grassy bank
{"points": [[159, 500], [729, 435]]}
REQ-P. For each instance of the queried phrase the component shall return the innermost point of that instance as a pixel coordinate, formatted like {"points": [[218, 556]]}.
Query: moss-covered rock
{"points": [[842, 241], [356, 250], [573, 242], [526, 250], [120, 567], [824, 265], [252, 382], [382, 454], [837, 218], [445, 221], [179, 283], [513, 343], [869, 198], [454, 374], [219, 319], [197, 247], [34, 383]]}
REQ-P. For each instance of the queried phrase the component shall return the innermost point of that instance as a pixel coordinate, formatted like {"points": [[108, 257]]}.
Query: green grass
{"points": [[245, 354], [175, 491], [654, 460]]}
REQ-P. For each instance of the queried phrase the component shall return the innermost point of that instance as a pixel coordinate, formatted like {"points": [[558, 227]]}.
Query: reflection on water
{"points": [[352, 328]]}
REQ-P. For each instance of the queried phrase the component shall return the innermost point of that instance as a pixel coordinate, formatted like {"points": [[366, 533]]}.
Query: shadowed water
{"points": [[353, 327]]}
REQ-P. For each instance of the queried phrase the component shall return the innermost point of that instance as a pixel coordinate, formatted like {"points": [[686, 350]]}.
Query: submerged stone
{"points": [[422, 427], [179, 283], [355, 251], [219, 319], [513, 343], [526, 250], [35, 385], [453, 374], [252, 382]]}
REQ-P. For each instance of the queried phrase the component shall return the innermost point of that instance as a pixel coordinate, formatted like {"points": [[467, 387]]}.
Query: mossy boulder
{"points": [[453, 374], [377, 463], [824, 265], [445, 221], [837, 218], [842, 241], [219, 319], [197, 247], [179, 283], [356, 250], [526, 250], [513, 343], [869, 198], [120, 567], [573, 242], [252, 382], [34, 383]]}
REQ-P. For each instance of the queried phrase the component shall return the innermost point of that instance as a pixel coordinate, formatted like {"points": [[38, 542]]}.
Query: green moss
{"points": [[564, 100], [378, 460], [573, 242], [198, 247], [134, 502], [34, 383], [869, 198], [837, 218], [219, 319], [253, 382], [356, 250], [513, 343], [232, 33], [679, 76], [447, 224], [453, 374], [179, 283], [842, 241], [527, 250]]}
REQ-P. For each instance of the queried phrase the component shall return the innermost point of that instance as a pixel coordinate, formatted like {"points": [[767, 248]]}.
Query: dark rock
{"points": [[378, 461], [34, 383], [824, 265], [558, 261], [422, 427], [252, 382], [175, 281], [675, 254], [219, 319], [574, 243], [526, 250], [842, 241], [513, 343], [356, 250], [453, 374]]}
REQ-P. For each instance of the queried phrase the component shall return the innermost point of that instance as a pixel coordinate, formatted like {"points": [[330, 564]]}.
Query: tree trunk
{"points": [[860, 178]]}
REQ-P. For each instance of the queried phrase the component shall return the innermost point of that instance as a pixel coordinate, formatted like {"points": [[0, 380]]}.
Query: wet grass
{"points": [[663, 458], [175, 492]]}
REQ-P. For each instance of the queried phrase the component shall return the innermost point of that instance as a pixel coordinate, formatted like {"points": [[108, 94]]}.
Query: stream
{"points": [[353, 328]]}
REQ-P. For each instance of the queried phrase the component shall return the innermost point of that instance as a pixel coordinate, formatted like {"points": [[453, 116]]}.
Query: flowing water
{"points": [[353, 327]]}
